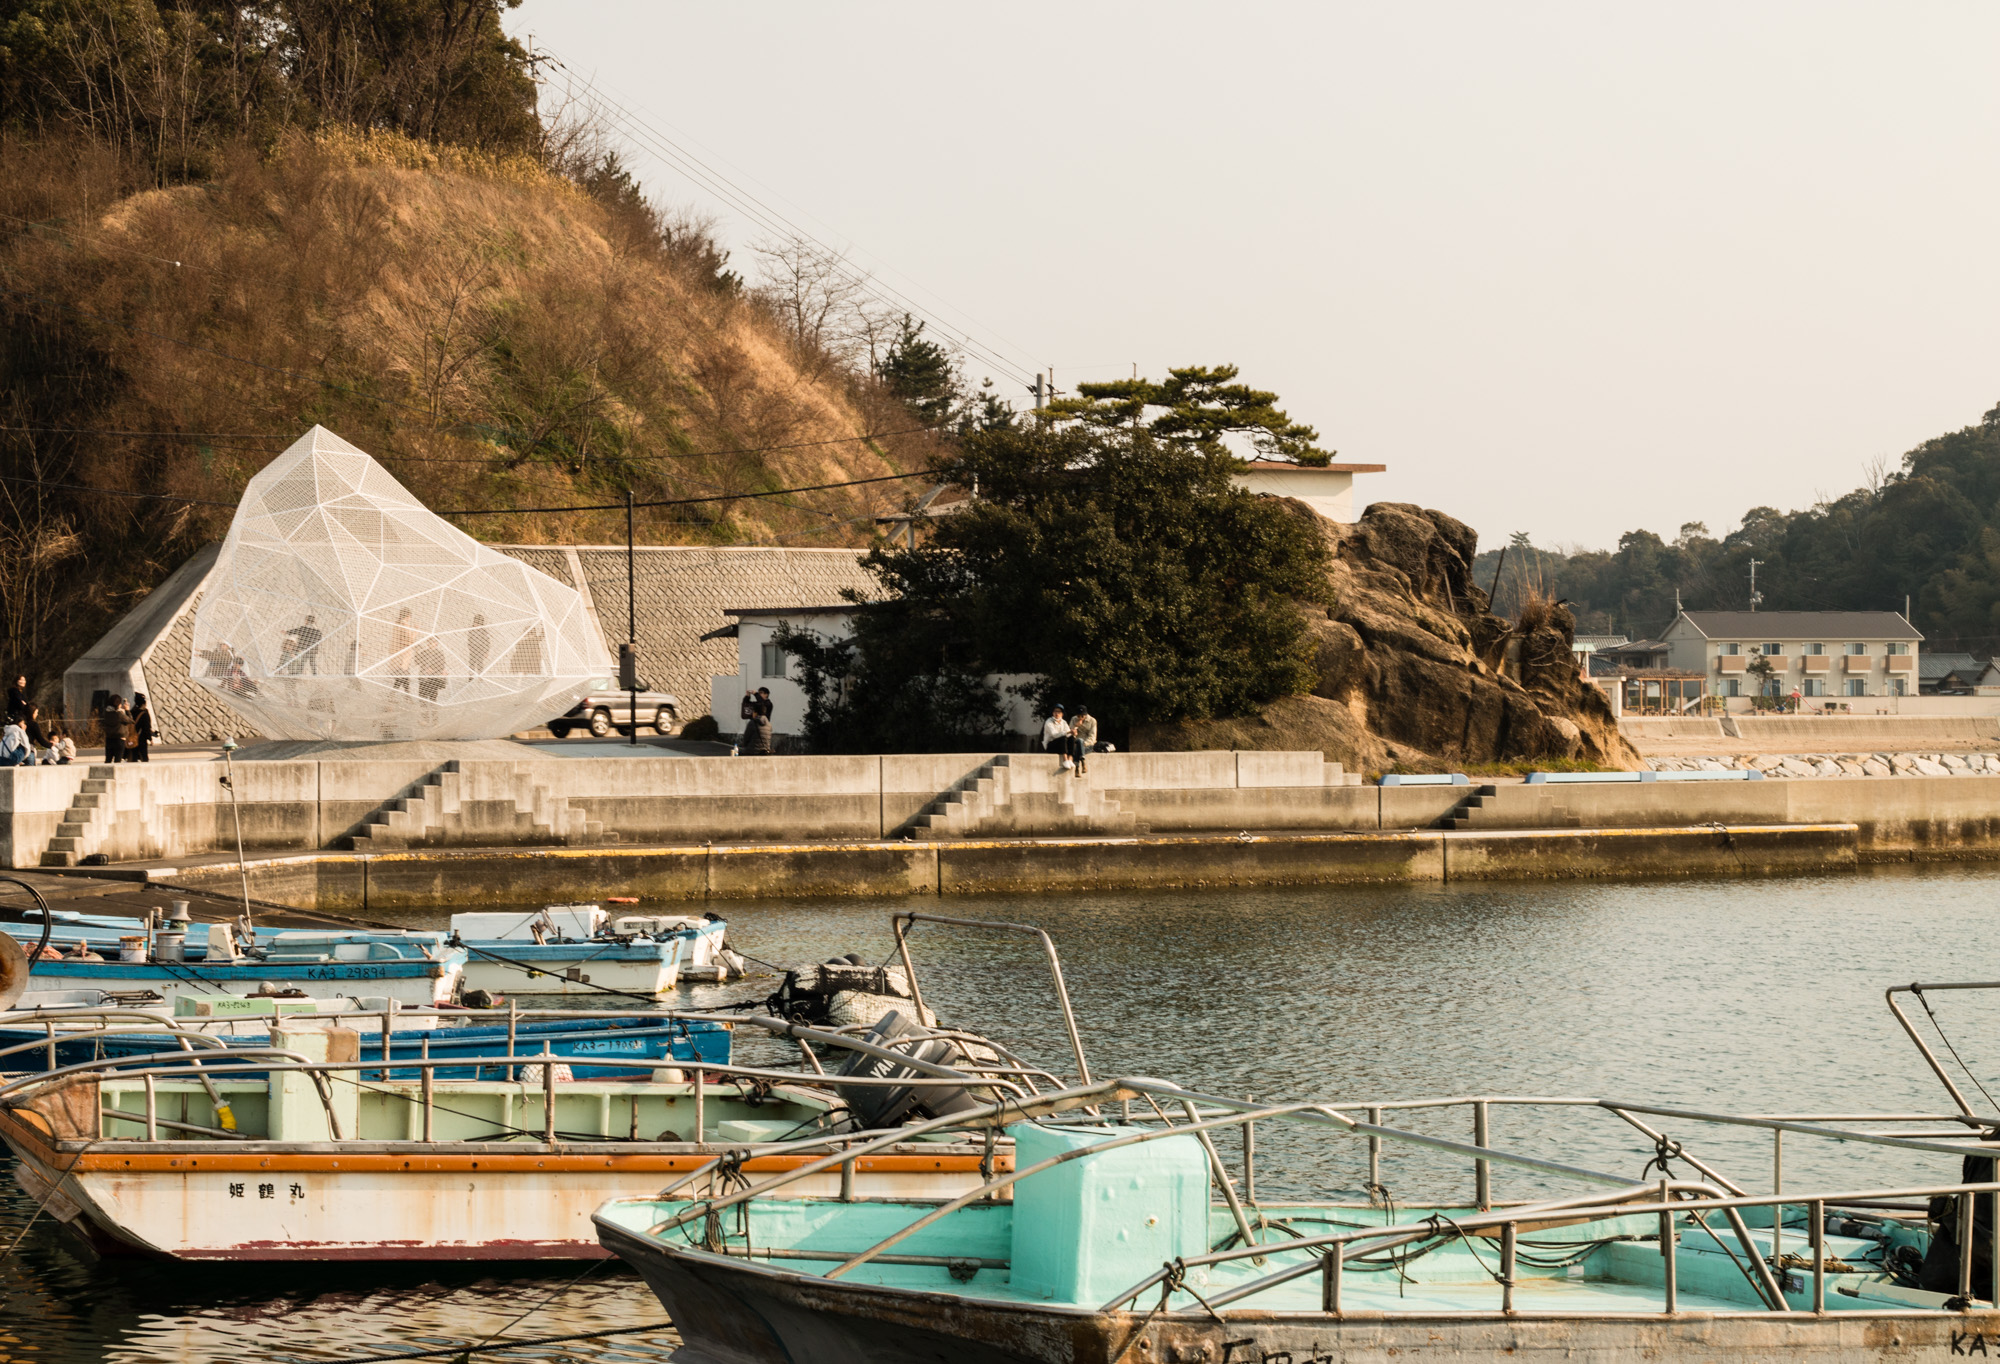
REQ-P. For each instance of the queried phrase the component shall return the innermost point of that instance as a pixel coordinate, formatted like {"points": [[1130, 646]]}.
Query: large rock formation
{"points": [[1415, 671]]}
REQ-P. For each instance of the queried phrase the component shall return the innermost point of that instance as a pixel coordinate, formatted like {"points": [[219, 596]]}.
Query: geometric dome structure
{"points": [[342, 608]]}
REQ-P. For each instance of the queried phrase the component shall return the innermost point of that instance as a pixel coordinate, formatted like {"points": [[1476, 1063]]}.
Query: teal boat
{"points": [[1122, 1235]]}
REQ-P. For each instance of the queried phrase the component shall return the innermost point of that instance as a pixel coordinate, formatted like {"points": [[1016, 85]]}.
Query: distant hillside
{"points": [[493, 332], [1927, 531]]}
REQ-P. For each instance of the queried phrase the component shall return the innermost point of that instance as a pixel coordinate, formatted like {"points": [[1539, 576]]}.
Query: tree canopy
{"points": [[1200, 404], [1929, 531], [1118, 565]]}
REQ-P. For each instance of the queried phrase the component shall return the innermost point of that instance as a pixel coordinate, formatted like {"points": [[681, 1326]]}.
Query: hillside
{"points": [[496, 334]]}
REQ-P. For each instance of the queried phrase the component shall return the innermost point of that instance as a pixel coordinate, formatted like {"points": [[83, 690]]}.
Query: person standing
{"points": [[405, 657], [112, 719], [1083, 736], [143, 732], [757, 737], [17, 699]]}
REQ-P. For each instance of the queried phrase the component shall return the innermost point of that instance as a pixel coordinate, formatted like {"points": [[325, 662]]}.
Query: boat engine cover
{"points": [[1096, 1225]]}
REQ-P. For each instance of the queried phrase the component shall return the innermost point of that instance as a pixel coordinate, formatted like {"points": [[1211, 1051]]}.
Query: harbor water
{"points": [[1746, 996]]}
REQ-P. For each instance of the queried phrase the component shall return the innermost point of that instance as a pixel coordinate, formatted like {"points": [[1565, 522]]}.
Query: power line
{"points": [[677, 158]]}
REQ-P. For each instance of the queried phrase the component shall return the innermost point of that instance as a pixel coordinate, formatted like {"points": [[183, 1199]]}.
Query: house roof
{"points": [[839, 610], [1808, 625], [1604, 641], [1271, 466], [1943, 665]]}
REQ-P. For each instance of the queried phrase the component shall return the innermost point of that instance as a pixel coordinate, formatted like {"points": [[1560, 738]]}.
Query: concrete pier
{"points": [[467, 878]]}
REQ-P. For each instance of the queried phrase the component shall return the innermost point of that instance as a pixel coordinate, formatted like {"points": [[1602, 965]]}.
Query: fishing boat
{"points": [[580, 950], [554, 950], [1122, 1234], [416, 968], [308, 1146]]}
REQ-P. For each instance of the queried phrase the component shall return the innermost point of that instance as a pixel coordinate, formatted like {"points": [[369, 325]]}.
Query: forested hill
{"points": [[222, 223], [1929, 531]]}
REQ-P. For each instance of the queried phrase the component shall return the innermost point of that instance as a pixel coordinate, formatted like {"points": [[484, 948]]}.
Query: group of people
{"points": [[128, 729], [756, 716], [23, 741], [1074, 741]]}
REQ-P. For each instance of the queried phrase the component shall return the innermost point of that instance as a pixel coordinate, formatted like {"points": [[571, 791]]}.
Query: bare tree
{"points": [[823, 301]]}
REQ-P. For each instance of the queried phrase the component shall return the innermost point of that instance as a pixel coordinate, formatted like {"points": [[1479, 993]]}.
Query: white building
{"points": [[762, 662], [1327, 488], [1832, 654]]}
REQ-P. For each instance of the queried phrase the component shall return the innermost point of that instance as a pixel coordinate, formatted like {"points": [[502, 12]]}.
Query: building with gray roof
{"points": [[1813, 653]]}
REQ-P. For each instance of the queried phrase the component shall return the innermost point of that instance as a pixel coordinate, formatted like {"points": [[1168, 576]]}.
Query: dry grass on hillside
{"points": [[496, 336]]}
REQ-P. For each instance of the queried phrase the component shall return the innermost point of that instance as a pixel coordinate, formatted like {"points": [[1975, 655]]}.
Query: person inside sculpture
{"points": [[430, 662], [143, 732], [401, 662], [112, 720], [301, 648], [477, 645]]}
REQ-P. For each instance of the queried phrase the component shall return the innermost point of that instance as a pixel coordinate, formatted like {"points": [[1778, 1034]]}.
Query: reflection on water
{"points": [[1748, 996]]}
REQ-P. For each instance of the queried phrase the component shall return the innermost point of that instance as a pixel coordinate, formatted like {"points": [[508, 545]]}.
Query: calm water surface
{"points": [[1750, 996]]}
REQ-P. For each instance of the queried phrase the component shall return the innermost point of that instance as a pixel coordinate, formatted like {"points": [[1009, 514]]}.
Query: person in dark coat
{"points": [[757, 733], [17, 700], [112, 719], [143, 732]]}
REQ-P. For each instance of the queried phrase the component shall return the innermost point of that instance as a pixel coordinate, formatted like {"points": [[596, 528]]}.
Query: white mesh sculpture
{"points": [[342, 608]]}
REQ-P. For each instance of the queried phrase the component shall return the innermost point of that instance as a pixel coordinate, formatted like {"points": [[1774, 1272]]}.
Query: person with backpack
{"points": [[14, 748], [112, 720]]}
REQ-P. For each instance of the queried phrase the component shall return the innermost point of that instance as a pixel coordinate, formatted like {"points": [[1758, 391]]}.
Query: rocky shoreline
{"points": [[1841, 764]]}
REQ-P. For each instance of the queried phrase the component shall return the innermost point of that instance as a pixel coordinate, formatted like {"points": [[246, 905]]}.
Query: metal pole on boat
{"points": [[1670, 1267], [1221, 1176], [513, 1016], [1777, 1187], [1329, 1278], [52, 1044], [1374, 1153], [847, 1181], [229, 780], [1817, 1211], [384, 1077], [1482, 1168], [1250, 1159], [1964, 1245], [429, 1091], [152, 1111], [548, 1095], [1507, 1268], [1995, 1248], [700, 1117]]}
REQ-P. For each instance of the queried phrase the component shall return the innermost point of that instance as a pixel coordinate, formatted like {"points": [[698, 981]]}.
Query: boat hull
{"points": [[730, 1312], [391, 1201], [417, 982]]}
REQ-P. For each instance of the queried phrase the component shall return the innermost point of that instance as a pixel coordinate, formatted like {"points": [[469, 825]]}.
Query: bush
{"points": [[701, 727]]}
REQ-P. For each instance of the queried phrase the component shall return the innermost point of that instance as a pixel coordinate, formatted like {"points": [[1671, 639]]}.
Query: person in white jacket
{"points": [[1055, 733]]}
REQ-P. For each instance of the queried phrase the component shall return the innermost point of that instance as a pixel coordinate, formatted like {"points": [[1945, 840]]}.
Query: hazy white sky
{"points": [[1564, 268]]}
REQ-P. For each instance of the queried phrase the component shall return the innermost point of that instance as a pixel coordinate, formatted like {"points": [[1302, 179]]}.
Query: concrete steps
{"points": [[85, 822], [1009, 796], [436, 813], [1518, 808]]}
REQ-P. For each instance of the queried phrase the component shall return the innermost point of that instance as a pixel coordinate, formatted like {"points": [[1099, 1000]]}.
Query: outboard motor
{"points": [[876, 1106]]}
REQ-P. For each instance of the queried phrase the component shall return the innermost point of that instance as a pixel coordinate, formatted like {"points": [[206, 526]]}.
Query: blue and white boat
{"points": [[580, 950]]}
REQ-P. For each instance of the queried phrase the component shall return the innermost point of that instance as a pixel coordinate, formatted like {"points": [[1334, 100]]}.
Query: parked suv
{"points": [[605, 711]]}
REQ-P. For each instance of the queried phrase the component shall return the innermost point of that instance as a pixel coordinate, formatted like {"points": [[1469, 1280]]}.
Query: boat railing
{"points": [[902, 923], [246, 1061], [1204, 1114]]}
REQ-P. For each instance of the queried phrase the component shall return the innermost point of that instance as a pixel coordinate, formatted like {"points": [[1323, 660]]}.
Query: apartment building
{"points": [[1815, 653]]}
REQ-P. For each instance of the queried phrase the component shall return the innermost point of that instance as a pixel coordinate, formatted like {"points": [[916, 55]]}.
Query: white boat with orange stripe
{"points": [[305, 1150]]}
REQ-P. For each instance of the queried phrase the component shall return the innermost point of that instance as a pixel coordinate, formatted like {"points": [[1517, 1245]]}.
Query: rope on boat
{"points": [[467, 1351]]}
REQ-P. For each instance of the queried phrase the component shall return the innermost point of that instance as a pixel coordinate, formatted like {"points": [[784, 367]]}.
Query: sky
{"points": [[1569, 269]]}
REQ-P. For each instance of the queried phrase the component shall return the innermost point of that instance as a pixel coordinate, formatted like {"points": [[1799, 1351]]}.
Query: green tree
{"points": [[1200, 404], [1119, 566], [921, 373]]}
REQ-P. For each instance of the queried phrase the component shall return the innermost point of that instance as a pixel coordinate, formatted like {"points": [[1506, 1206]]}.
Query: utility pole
{"points": [[628, 660], [1755, 595]]}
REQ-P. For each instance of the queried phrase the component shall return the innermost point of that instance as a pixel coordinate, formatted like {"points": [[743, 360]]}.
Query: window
{"points": [[1731, 687], [1898, 650], [1896, 686], [1731, 650], [1812, 686], [774, 660], [1773, 650], [1857, 649], [1814, 649], [1856, 687]]}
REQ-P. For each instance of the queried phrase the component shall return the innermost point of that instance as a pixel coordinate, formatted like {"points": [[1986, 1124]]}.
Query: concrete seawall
{"points": [[361, 883]]}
